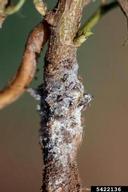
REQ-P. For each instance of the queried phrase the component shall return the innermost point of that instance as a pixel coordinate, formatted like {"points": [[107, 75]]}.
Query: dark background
{"points": [[103, 62]]}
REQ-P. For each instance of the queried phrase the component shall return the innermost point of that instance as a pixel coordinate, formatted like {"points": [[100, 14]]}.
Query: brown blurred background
{"points": [[103, 62]]}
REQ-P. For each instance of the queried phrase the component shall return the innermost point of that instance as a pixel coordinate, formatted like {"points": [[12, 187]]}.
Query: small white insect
{"points": [[34, 94], [38, 108], [88, 98]]}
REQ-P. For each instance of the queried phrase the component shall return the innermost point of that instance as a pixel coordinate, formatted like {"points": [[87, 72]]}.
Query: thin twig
{"points": [[86, 30], [3, 4], [13, 9], [6, 9], [27, 69], [40, 7], [124, 6]]}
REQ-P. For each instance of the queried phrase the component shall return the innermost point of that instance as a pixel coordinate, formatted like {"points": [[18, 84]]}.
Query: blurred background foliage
{"points": [[103, 62]]}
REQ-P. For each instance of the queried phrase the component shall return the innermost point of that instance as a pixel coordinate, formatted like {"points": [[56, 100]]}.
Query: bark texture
{"points": [[61, 131], [62, 100]]}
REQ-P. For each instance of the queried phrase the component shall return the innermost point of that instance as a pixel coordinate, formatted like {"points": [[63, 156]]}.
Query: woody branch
{"points": [[62, 93], [62, 100]]}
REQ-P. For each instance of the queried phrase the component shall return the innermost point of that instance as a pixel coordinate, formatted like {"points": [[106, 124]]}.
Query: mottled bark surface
{"points": [[62, 100]]}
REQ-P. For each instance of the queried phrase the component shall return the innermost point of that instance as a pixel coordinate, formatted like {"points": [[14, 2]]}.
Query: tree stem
{"points": [[62, 101]]}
